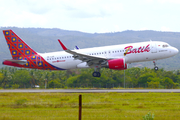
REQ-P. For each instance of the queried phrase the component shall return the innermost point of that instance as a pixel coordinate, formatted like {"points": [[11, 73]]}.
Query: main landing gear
{"points": [[155, 66], [96, 73]]}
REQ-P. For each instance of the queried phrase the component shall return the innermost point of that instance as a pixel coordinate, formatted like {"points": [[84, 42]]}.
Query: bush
{"points": [[153, 84], [148, 117], [15, 86], [56, 83]]}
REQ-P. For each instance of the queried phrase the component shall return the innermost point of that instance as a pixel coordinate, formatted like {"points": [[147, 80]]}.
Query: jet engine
{"points": [[117, 64]]}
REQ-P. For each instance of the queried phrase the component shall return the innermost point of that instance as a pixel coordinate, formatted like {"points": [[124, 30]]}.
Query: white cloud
{"points": [[170, 1], [164, 28], [144, 28], [34, 6], [91, 15], [149, 1], [18, 13], [93, 8]]}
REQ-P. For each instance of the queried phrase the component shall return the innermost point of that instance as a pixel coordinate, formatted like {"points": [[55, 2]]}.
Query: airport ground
{"points": [[90, 90], [109, 105]]}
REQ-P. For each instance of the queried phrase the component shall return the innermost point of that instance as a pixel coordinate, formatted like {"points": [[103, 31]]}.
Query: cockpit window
{"points": [[165, 45]]}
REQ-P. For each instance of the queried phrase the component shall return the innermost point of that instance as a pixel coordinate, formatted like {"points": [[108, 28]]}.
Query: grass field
{"points": [[96, 106]]}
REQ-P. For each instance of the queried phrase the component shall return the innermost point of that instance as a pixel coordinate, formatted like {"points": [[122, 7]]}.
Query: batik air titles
{"points": [[113, 57]]}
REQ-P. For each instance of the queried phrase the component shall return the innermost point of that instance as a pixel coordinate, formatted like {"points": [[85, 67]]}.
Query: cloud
{"points": [[144, 28], [33, 6], [91, 9], [64, 14], [92, 15], [163, 1], [170, 1], [164, 28], [149, 1]]}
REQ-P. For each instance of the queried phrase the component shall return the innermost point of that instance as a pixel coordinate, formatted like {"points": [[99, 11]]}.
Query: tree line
{"points": [[11, 77]]}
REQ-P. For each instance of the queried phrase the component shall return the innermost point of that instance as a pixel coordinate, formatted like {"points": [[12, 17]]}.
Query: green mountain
{"points": [[45, 40]]}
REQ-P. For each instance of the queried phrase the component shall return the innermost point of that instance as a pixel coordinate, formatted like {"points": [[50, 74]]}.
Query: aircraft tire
{"points": [[156, 68], [99, 74], [96, 74]]}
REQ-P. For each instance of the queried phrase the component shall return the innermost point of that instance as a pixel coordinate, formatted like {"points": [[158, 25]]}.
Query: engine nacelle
{"points": [[117, 64]]}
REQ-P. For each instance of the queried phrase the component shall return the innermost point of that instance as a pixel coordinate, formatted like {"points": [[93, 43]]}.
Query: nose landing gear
{"points": [[155, 66]]}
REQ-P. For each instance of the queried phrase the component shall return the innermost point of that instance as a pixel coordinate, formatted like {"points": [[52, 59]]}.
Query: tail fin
{"points": [[18, 48], [23, 55]]}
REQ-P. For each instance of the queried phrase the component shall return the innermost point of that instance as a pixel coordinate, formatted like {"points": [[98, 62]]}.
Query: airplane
{"points": [[114, 57]]}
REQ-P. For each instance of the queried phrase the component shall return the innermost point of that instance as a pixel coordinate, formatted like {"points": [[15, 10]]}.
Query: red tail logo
{"points": [[18, 48], [21, 51]]}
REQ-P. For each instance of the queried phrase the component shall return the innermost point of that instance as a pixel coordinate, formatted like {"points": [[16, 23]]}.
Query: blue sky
{"points": [[92, 16]]}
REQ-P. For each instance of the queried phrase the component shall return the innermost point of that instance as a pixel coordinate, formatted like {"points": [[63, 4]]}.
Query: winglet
{"points": [[77, 48], [62, 45]]}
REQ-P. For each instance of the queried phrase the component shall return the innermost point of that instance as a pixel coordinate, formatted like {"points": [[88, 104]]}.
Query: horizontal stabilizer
{"points": [[22, 62]]}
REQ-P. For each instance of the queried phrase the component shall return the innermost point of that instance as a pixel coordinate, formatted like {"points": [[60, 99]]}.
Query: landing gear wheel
{"points": [[99, 74], [96, 74], [155, 68]]}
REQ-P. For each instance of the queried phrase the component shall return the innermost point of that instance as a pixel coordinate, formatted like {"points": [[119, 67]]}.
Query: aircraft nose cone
{"points": [[176, 51]]}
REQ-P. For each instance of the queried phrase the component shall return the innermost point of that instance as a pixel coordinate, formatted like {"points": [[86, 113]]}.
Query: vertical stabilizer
{"points": [[18, 48], [23, 55]]}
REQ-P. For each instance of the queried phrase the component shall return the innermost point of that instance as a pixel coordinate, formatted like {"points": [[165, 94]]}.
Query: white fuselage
{"points": [[136, 52]]}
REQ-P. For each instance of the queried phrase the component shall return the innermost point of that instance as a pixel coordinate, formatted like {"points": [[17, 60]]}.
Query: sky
{"points": [[92, 16]]}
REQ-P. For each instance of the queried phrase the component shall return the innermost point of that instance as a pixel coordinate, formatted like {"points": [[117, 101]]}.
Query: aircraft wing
{"points": [[91, 60]]}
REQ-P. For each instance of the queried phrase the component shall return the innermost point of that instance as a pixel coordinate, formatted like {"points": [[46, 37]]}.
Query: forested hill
{"points": [[45, 40]]}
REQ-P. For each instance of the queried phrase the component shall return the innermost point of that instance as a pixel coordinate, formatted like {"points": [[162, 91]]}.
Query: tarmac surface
{"points": [[90, 90]]}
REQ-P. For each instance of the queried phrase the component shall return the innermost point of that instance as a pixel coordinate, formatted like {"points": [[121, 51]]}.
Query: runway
{"points": [[89, 90]]}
